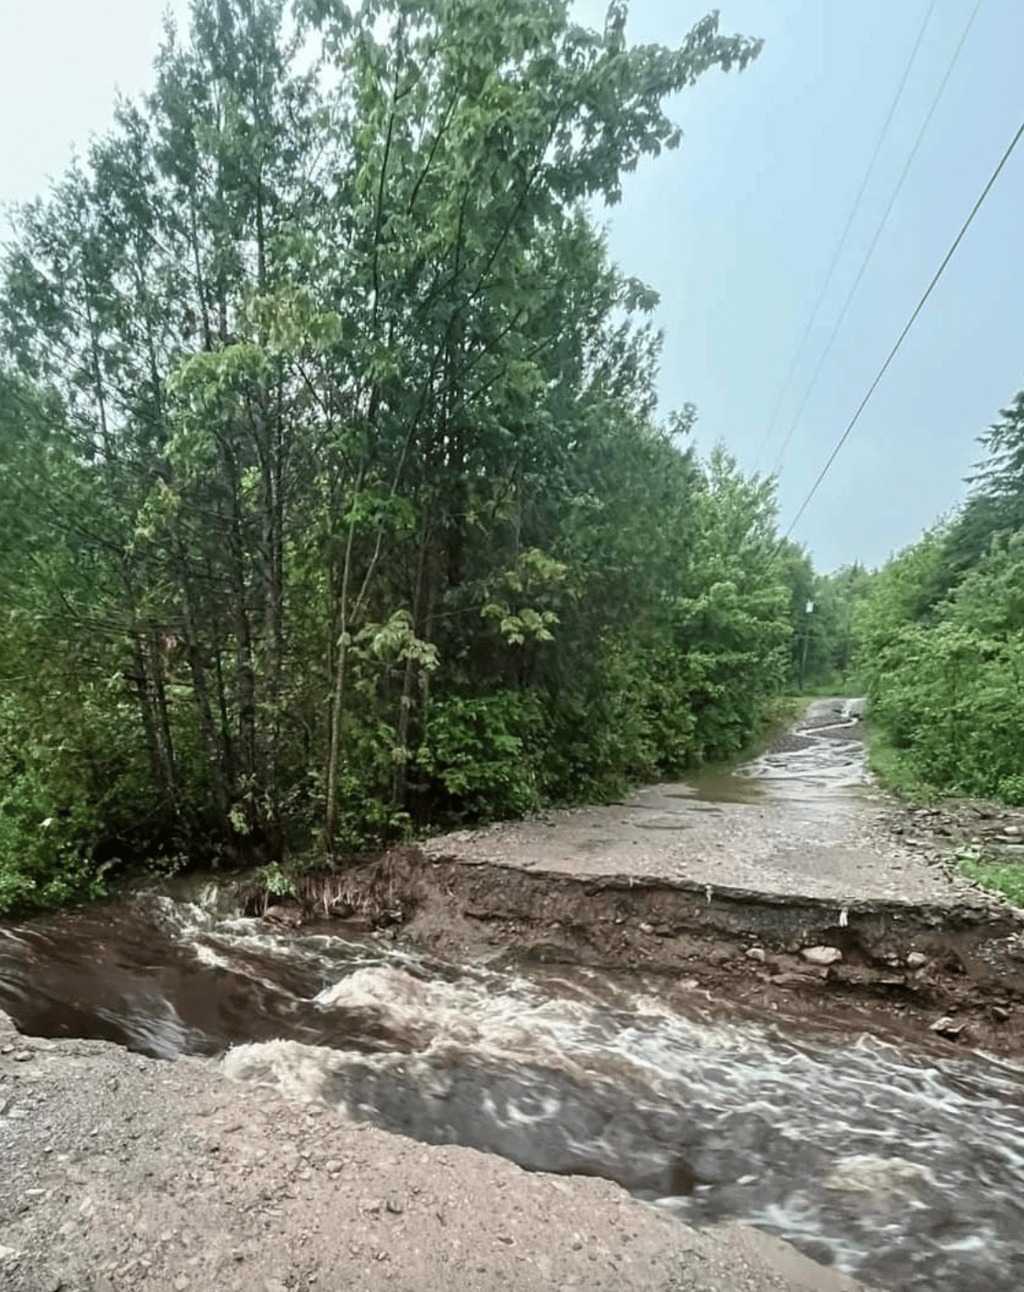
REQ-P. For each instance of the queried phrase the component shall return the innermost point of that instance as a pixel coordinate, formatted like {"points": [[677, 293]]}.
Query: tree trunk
{"points": [[200, 693], [399, 776], [163, 716], [140, 680]]}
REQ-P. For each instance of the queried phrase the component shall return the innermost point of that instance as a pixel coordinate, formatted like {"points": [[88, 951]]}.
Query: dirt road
{"points": [[792, 880], [801, 821]]}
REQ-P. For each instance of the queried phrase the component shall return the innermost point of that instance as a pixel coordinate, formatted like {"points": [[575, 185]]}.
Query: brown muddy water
{"points": [[905, 1168], [903, 1165]]}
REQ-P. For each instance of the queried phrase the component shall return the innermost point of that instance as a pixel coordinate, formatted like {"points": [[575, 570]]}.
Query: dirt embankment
{"points": [[790, 883], [120, 1173], [907, 969]]}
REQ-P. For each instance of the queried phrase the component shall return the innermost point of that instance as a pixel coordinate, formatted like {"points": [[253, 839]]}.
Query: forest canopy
{"points": [[333, 494]]}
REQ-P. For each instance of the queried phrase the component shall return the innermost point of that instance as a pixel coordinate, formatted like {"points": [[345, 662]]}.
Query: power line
{"points": [[842, 241], [874, 242], [910, 323]]}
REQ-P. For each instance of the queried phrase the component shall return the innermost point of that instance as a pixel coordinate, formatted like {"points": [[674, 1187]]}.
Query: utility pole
{"points": [[807, 638]]}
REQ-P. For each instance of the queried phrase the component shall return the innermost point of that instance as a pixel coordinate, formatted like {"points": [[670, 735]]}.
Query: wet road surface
{"points": [[801, 822]]}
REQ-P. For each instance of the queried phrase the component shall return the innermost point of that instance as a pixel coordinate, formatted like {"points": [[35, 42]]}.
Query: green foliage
{"points": [[46, 833], [476, 750], [999, 479], [1000, 877], [952, 699], [941, 642], [366, 817], [275, 879], [332, 498], [731, 628], [822, 609]]}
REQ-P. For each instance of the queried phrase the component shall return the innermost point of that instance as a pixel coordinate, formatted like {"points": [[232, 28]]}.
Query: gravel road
{"points": [[803, 820]]}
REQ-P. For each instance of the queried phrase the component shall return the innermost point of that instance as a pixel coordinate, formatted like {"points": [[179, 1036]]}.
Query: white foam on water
{"points": [[843, 1142], [866, 1173], [298, 1071], [383, 987]]}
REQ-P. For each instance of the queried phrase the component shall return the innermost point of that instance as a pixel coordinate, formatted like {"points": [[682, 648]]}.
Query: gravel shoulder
{"points": [[127, 1174]]}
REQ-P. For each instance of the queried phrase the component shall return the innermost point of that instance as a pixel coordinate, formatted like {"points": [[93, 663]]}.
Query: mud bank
{"points": [[906, 966], [790, 880]]}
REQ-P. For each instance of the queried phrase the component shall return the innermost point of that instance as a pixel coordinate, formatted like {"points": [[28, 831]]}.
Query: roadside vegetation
{"points": [[940, 639], [890, 765], [1000, 877], [334, 502]]}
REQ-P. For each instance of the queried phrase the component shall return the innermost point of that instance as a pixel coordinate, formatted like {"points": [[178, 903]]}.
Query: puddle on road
{"points": [[723, 787]]}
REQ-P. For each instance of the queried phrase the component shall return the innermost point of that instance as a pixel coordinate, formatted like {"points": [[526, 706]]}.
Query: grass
{"points": [[893, 770], [1000, 877]]}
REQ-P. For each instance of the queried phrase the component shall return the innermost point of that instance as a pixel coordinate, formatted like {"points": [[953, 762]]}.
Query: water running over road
{"points": [[904, 1168]]}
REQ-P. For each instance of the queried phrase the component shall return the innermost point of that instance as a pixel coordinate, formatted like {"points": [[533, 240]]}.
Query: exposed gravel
{"points": [[120, 1173], [806, 823]]}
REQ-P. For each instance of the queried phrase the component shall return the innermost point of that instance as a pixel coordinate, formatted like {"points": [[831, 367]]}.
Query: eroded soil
{"points": [[735, 881]]}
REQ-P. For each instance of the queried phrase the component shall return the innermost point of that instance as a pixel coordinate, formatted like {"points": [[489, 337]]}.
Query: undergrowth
{"points": [[893, 770], [999, 877]]}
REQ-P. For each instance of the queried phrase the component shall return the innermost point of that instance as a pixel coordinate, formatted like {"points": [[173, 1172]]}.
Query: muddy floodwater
{"points": [[904, 1168], [901, 1164]]}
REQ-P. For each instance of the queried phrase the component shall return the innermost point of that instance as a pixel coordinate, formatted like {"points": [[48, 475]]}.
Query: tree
{"points": [[355, 423], [941, 635], [1000, 478]]}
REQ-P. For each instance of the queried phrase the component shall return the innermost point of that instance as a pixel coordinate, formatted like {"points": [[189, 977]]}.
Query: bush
{"points": [[46, 837], [950, 701], [476, 752]]}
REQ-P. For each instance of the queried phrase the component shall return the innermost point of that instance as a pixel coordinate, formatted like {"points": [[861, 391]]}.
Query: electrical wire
{"points": [[842, 240], [910, 323], [874, 243]]}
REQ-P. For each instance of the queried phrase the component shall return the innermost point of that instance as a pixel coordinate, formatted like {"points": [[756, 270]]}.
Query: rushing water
{"points": [[905, 1168]]}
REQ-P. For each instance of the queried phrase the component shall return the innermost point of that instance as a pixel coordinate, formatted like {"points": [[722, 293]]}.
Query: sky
{"points": [[737, 229]]}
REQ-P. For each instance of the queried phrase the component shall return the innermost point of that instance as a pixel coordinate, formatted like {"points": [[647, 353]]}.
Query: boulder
{"points": [[822, 955], [950, 1028]]}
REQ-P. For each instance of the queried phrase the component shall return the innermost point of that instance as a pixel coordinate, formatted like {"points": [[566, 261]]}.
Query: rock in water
{"points": [[949, 1027], [822, 955]]}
